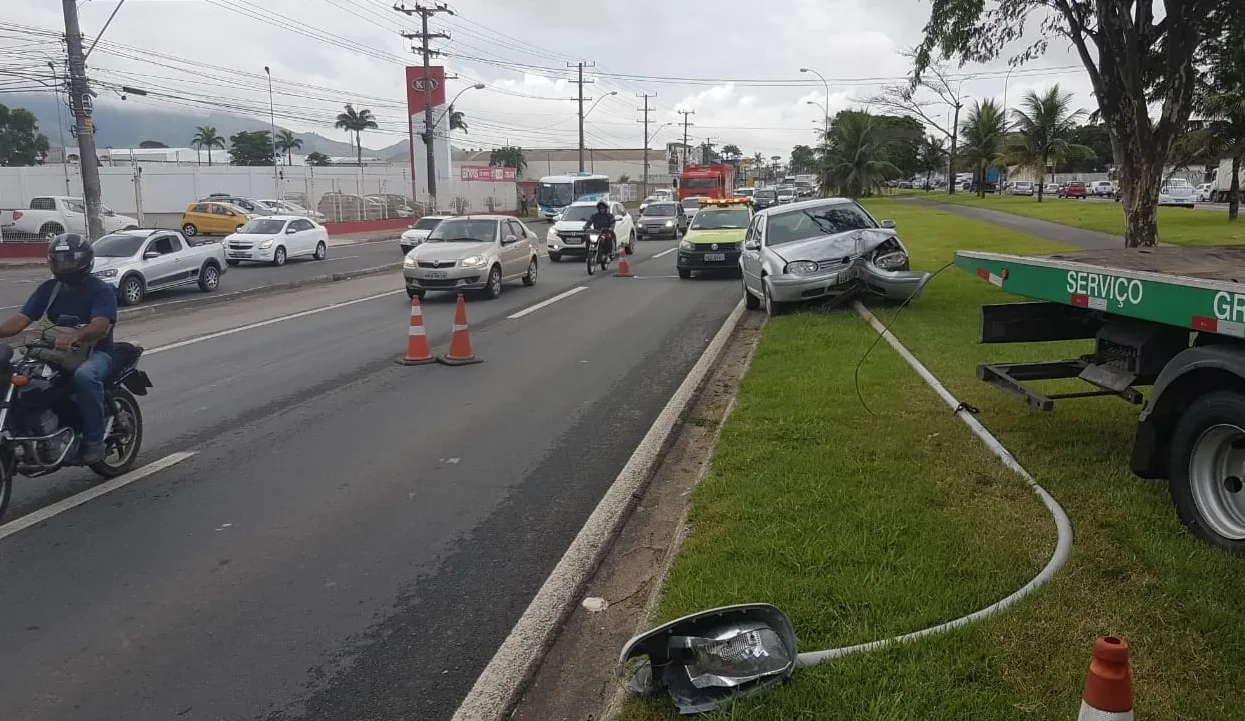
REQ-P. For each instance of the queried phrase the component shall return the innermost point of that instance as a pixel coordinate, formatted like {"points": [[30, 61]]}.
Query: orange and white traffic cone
{"points": [[417, 351], [460, 342], [1109, 686], [624, 268]]}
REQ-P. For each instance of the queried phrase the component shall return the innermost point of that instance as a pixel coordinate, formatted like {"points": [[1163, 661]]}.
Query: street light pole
{"points": [[826, 107], [272, 129]]}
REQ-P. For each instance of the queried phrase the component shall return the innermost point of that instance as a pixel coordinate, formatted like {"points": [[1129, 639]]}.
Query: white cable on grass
{"points": [[1063, 545]]}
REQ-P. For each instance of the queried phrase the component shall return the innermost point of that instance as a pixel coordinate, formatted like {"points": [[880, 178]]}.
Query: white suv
{"points": [[567, 236]]}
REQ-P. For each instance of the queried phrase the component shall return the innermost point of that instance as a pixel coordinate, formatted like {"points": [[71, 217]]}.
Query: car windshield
{"points": [[579, 212], [691, 203], [554, 194], [117, 245], [721, 220], [661, 210], [765, 195], [263, 226], [800, 225], [427, 223], [464, 231]]}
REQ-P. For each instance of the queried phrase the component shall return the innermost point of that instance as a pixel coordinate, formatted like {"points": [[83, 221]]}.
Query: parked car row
{"points": [[49, 215]]}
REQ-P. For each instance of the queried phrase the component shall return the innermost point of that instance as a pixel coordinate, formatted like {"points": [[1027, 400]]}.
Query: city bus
{"points": [[555, 192]]}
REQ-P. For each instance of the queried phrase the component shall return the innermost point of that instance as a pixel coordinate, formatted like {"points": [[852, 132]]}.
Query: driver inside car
{"points": [[73, 291]]}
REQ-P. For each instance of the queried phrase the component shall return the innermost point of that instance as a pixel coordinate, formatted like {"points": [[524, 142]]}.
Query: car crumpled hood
{"points": [[449, 251], [858, 247]]}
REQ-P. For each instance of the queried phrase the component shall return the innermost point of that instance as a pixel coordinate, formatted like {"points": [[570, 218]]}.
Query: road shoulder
{"points": [[576, 678]]}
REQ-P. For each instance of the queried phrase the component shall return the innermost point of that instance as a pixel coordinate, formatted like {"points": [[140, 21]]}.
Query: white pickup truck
{"points": [[55, 214]]}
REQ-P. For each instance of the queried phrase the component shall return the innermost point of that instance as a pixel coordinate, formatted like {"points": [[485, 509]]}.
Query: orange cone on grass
{"points": [[624, 268], [460, 341], [417, 351], [1109, 685]]}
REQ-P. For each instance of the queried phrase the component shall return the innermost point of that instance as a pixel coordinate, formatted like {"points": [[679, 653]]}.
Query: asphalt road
{"points": [[16, 284], [352, 538]]}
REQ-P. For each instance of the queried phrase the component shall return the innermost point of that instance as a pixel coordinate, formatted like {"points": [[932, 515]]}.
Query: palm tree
{"points": [[855, 161], [983, 134], [1045, 124], [356, 121], [931, 156], [1221, 102], [318, 159], [508, 157], [287, 144], [457, 121], [206, 137]]}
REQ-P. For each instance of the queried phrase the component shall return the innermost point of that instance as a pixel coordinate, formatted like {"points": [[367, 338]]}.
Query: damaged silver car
{"points": [[708, 659], [828, 249]]}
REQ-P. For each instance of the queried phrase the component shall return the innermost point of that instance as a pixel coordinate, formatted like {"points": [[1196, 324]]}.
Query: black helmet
{"points": [[70, 258], [602, 205]]}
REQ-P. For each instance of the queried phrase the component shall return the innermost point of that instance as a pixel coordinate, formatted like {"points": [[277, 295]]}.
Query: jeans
{"points": [[88, 382]]}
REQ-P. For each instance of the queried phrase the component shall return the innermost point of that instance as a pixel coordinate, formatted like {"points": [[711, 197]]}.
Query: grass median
{"points": [[866, 525], [1178, 226]]}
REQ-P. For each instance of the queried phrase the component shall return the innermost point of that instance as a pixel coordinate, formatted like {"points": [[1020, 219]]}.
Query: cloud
{"points": [[737, 68]]}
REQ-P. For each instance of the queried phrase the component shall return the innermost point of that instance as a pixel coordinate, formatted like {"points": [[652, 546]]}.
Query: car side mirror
{"points": [[890, 224], [619, 217], [151, 255], [291, 231], [752, 245], [557, 218], [509, 239]]}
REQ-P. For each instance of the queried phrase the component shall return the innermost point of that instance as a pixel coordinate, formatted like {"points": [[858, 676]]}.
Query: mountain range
{"points": [[125, 125]]}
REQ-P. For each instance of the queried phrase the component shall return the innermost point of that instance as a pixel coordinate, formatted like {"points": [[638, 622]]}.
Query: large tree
{"points": [[1221, 104], [1044, 126], [251, 147], [206, 137], [508, 157], [287, 143], [901, 137], [933, 157], [1133, 59], [803, 159], [21, 143], [356, 121], [1097, 138], [318, 159], [855, 161], [984, 135]]}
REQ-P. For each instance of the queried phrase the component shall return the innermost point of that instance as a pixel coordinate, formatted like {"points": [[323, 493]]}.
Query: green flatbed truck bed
{"points": [[1169, 320]]}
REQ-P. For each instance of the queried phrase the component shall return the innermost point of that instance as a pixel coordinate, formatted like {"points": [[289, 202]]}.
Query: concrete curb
{"points": [[41, 263], [501, 685], [214, 299]]}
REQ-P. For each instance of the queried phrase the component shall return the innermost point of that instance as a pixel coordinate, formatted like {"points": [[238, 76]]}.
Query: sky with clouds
{"points": [[735, 63]]}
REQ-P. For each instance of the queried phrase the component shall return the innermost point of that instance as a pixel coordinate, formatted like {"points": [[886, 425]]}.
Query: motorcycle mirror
{"points": [[708, 659]]}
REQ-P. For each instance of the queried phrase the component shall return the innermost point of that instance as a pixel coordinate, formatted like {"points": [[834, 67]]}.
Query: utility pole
{"points": [[424, 36], [581, 83], [685, 114], [646, 110], [80, 99]]}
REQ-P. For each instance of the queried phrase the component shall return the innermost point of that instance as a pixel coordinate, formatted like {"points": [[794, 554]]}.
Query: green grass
{"points": [[865, 526], [1178, 226]]}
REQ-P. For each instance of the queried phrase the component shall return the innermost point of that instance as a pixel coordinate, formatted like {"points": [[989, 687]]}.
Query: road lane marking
{"points": [[546, 302], [344, 257], [667, 251], [270, 321], [497, 688], [43, 514]]}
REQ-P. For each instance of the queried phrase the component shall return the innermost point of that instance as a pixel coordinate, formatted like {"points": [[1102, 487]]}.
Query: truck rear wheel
{"points": [[1207, 483]]}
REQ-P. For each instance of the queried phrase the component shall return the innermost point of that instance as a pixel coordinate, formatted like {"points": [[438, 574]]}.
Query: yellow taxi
{"points": [[715, 238], [213, 218]]}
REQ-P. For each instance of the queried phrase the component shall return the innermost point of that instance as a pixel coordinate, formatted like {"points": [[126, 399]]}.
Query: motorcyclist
{"points": [[602, 221], [73, 291]]}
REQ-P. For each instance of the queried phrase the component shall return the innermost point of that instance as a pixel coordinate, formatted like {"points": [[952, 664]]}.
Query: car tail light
{"points": [[17, 215]]}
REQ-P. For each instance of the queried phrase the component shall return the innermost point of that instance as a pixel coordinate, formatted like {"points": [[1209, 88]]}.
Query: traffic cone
{"points": [[624, 268], [1109, 686], [460, 341], [417, 352]]}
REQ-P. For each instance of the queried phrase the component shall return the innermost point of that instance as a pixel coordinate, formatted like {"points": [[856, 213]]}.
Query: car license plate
{"points": [[436, 274], [715, 257], [235, 254], [572, 240]]}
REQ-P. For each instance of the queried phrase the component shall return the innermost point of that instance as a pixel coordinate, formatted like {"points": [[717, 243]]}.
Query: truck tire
{"points": [[48, 229], [1207, 483]]}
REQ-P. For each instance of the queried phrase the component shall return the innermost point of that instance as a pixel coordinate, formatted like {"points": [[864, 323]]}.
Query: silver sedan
{"points": [[472, 252], [826, 249]]}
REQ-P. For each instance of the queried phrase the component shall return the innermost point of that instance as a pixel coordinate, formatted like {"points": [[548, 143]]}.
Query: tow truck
{"points": [[1170, 318], [715, 237]]}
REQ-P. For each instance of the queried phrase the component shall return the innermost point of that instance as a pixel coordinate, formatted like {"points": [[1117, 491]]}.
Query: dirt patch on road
{"points": [[576, 680]]}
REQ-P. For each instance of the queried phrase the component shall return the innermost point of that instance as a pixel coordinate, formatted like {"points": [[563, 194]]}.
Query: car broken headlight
{"points": [[801, 267], [894, 260]]}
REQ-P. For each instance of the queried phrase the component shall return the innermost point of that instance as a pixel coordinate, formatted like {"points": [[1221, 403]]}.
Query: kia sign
{"points": [[434, 84], [487, 174], [418, 84]]}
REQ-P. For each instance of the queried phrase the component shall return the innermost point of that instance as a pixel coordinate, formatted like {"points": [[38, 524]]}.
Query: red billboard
{"points": [[415, 87], [486, 174]]}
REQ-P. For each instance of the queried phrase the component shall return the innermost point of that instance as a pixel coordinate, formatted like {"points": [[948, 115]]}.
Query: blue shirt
{"points": [[93, 299]]}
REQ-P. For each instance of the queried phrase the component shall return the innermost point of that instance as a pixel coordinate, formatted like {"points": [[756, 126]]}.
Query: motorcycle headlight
{"points": [[801, 267], [109, 273], [891, 261], [593, 237], [669, 223], [265, 245], [685, 244], [473, 261], [408, 262]]}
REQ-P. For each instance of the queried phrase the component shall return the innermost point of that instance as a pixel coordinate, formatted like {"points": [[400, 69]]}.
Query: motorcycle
{"points": [[40, 425], [596, 255]]}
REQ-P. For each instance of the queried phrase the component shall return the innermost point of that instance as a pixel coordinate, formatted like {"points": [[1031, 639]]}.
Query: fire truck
{"points": [[715, 180]]}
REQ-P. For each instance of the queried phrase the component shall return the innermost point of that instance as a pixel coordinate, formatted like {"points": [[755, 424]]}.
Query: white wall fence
{"points": [[165, 191]]}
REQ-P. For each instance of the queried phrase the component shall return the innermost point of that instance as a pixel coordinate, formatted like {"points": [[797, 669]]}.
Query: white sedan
{"points": [[277, 238]]}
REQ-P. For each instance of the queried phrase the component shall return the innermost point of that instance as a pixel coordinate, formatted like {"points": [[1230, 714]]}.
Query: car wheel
{"points": [[322, 251], [529, 279], [415, 293], [772, 307], [555, 257], [131, 291], [209, 278], [751, 302], [684, 273], [278, 255], [493, 289], [189, 230], [631, 244], [233, 263]]}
